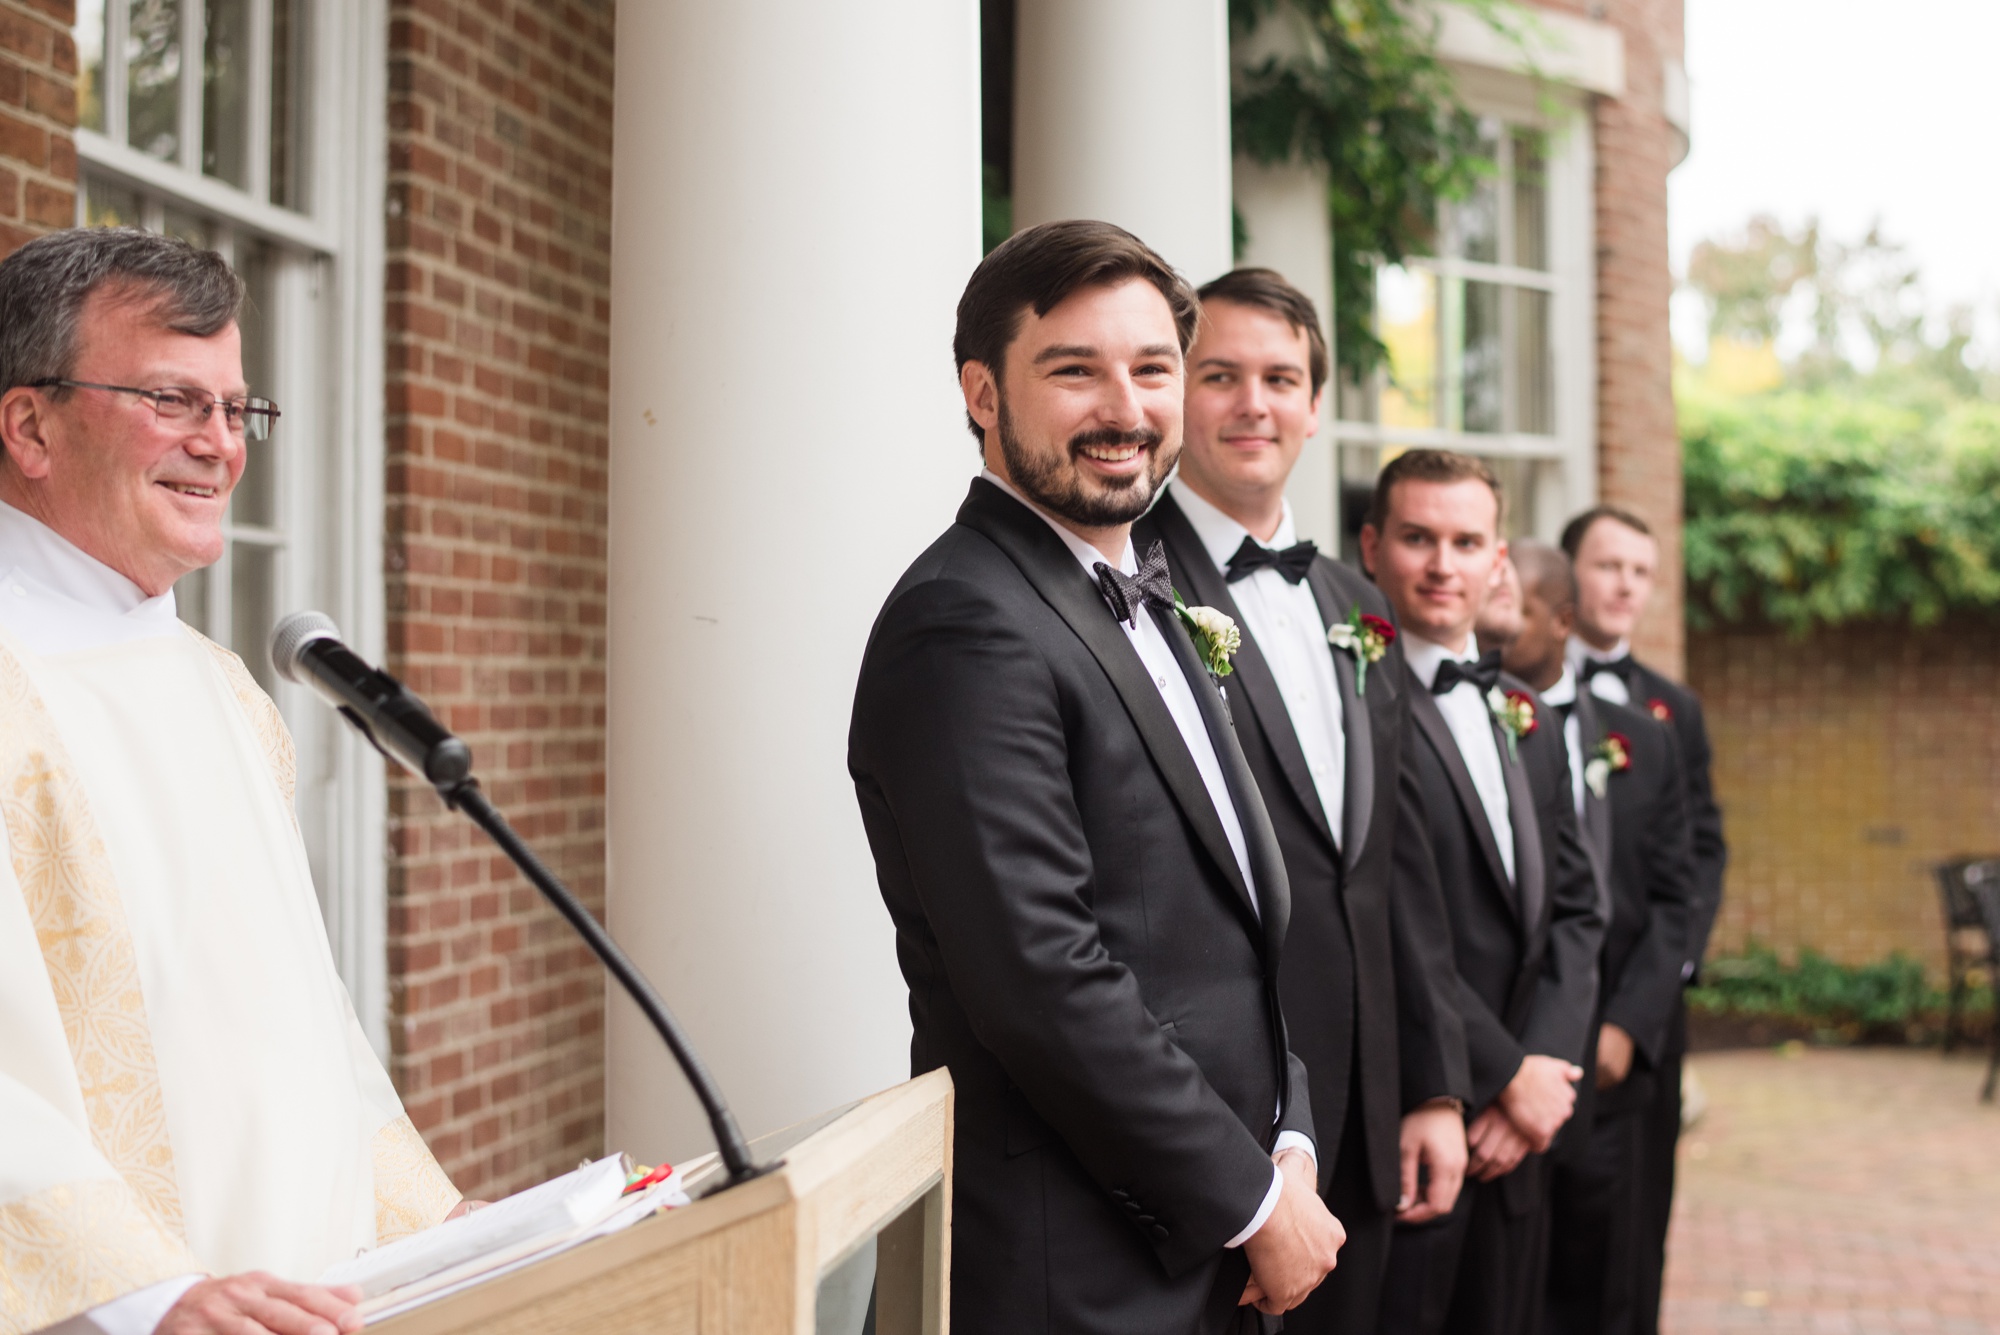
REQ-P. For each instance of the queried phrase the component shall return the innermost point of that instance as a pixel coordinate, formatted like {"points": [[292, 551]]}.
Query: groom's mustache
{"points": [[1145, 437]]}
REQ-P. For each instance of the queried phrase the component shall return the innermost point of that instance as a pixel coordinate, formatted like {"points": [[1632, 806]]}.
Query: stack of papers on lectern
{"points": [[537, 1223]]}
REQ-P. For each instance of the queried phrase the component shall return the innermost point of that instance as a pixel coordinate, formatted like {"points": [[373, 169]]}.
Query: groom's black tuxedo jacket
{"points": [[1638, 833], [1080, 947], [1527, 962], [1368, 983]]}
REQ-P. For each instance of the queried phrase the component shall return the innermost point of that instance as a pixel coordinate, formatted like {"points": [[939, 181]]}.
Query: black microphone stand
{"points": [[465, 796]]}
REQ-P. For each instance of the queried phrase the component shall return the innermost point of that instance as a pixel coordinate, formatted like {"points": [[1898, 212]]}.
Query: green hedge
{"points": [[1816, 508], [1836, 1002]]}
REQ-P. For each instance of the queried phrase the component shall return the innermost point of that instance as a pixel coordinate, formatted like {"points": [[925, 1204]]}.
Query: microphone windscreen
{"points": [[293, 634]]}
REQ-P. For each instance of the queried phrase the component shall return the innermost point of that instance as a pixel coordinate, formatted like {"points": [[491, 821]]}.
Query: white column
{"points": [[796, 209], [1285, 216], [1121, 112], [1288, 228]]}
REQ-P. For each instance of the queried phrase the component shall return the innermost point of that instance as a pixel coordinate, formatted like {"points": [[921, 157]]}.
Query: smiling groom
{"points": [[1088, 899]]}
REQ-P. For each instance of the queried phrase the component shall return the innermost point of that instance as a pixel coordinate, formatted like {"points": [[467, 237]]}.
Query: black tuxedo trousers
{"points": [[1080, 947]]}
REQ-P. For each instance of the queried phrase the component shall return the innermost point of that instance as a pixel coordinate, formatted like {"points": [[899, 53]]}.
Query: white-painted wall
{"points": [[796, 212]]}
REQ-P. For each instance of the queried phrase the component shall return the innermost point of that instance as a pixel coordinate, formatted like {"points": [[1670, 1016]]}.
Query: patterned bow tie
{"points": [[1253, 556], [1152, 586], [1620, 668], [1485, 674]]}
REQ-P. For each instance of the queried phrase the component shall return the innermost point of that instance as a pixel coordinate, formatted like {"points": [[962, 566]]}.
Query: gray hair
{"points": [[44, 284]]}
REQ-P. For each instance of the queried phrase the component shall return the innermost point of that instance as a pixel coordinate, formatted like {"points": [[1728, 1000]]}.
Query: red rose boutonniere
{"points": [[1611, 756], [1515, 711], [1367, 638], [1660, 710]]}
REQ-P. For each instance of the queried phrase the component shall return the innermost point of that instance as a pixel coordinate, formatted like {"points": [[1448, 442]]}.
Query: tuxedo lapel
{"points": [[1528, 881], [1041, 557], [1273, 905], [1430, 721], [1252, 681], [1359, 801]]}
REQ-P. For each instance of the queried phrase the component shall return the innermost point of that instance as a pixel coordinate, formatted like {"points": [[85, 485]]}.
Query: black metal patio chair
{"points": [[1967, 942], [1985, 892]]}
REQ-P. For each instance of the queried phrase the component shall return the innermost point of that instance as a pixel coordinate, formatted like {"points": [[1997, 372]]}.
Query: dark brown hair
{"points": [[1440, 466], [1041, 266], [1577, 529], [1267, 290]]}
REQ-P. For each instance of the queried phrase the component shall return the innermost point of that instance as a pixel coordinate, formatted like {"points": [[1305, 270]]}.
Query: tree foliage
{"points": [[1370, 101]]}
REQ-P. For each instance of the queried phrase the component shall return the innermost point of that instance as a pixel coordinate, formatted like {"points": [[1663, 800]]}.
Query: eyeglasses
{"points": [[185, 406]]}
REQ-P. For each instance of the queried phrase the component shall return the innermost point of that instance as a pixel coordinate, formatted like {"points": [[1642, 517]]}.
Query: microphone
{"points": [[306, 650]]}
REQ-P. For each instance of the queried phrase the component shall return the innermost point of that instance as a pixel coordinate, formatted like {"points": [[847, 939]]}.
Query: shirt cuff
{"points": [[134, 1313], [1296, 1140], [1264, 1210]]}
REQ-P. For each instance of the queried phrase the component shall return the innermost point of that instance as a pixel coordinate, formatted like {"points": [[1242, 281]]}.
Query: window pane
{"points": [[189, 227], [288, 109], [90, 64], [1521, 483], [1407, 319], [1481, 366], [153, 77], [191, 599], [253, 606], [1531, 202], [1534, 370], [255, 499], [106, 205], [1475, 221], [225, 91]]}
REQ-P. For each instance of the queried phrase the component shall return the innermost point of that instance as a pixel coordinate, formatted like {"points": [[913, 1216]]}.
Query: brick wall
{"points": [[1847, 765], [37, 118], [498, 311]]}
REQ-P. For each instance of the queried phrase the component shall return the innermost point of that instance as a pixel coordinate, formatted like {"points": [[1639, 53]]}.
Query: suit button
{"points": [[1162, 681], [1159, 1233], [1120, 1194]]}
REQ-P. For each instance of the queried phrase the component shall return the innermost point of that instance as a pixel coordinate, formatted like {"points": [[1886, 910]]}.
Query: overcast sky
{"points": [[1853, 110]]}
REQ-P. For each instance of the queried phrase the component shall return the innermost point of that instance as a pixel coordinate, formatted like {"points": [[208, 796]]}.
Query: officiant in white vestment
{"points": [[192, 1126]]}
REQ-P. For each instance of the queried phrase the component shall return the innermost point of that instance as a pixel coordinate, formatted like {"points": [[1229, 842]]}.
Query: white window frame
{"points": [[1563, 114], [330, 300]]}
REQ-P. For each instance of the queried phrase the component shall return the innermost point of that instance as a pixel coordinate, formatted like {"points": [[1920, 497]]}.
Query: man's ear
{"points": [[1370, 540], [982, 394], [23, 431]]}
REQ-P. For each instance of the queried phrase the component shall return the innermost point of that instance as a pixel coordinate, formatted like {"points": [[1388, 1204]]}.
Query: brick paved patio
{"points": [[1838, 1191]]}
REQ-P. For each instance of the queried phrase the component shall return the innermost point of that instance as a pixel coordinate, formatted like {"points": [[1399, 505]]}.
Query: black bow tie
{"points": [[1620, 668], [1253, 556], [1485, 674], [1151, 587]]}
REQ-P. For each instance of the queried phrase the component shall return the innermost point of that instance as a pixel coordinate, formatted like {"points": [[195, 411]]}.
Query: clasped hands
{"points": [[1524, 1119], [1297, 1246]]}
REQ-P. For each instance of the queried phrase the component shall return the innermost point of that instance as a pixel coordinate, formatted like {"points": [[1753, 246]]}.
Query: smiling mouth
{"points": [[190, 489], [1111, 454]]}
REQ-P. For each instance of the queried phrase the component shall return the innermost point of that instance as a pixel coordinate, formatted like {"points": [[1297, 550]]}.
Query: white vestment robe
{"points": [[184, 1086]]}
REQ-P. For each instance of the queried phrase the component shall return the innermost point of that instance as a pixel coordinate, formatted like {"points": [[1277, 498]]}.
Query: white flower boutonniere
{"points": [[1367, 638], [1215, 636], [1611, 756], [1515, 711]]}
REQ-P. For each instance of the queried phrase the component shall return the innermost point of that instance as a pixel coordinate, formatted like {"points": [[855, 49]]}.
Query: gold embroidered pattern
{"points": [[411, 1191], [72, 1247], [265, 720], [66, 881]]}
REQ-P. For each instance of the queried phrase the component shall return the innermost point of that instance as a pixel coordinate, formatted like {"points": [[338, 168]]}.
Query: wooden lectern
{"points": [[749, 1260]]}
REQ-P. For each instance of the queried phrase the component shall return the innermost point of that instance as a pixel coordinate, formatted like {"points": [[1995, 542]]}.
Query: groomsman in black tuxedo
{"points": [[1088, 899], [1616, 558], [1368, 981], [1632, 807], [1526, 924]]}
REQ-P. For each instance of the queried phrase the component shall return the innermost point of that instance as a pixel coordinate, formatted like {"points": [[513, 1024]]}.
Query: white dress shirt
{"points": [[1605, 685], [1558, 695], [1470, 719], [58, 600], [1158, 658], [1284, 619]]}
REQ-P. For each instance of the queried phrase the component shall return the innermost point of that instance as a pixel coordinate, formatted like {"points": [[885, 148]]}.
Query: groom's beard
{"points": [[1058, 484]]}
